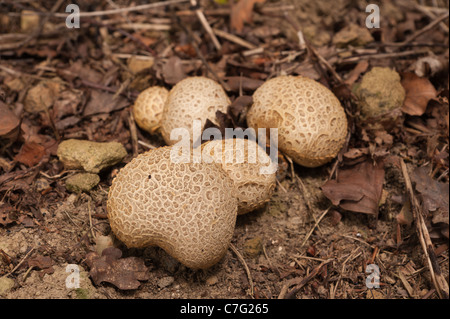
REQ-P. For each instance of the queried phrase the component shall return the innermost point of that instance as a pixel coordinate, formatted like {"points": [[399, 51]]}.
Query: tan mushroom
{"points": [[312, 125], [148, 108], [187, 209], [248, 165], [194, 98]]}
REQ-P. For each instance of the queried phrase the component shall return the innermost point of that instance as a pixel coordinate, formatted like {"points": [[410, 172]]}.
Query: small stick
{"points": [[247, 270], [383, 56], [150, 146], [305, 280], [315, 225], [133, 133], [120, 10], [438, 279], [20, 263], [427, 28], [235, 39], [205, 24]]}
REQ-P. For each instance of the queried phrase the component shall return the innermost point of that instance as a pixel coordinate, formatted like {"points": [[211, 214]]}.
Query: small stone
{"points": [[212, 280], [90, 156], [165, 282], [352, 35], [6, 284], [82, 182], [380, 91], [138, 64], [253, 247], [42, 96], [29, 20]]}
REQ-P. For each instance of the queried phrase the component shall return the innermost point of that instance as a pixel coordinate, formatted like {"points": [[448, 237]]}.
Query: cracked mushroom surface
{"points": [[248, 165], [193, 98], [187, 209], [148, 108], [311, 122]]}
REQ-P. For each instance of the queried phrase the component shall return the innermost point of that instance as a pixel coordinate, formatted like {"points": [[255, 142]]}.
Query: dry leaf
{"points": [[9, 127], [357, 188], [418, 92], [30, 154], [241, 13], [124, 273]]}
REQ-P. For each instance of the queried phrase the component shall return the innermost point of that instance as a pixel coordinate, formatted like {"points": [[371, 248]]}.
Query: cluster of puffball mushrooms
{"points": [[189, 209]]}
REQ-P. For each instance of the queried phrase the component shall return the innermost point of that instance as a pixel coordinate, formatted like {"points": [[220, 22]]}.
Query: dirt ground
{"points": [[301, 244]]}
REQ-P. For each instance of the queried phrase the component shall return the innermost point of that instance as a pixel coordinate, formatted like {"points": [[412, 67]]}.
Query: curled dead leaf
{"points": [[124, 273], [418, 92], [357, 188], [241, 13]]}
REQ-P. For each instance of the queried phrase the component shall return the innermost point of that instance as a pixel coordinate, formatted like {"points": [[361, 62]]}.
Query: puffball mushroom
{"points": [[311, 122], [193, 98], [248, 165], [187, 209], [148, 108]]}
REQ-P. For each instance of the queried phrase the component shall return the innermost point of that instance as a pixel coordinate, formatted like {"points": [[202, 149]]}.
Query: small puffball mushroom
{"points": [[148, 108], [248, 165], [187, 209], [193, 98], [311, 122]]}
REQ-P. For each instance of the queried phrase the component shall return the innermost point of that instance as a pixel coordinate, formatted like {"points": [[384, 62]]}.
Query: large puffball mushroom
{"points": [[193, 98], [311, 122], [187, 209], [148, 108], [248, 165]]}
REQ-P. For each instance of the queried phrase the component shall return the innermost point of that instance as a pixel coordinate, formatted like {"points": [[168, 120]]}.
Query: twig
{"points": [[205, 24], [202, 57], [117, 11], [304, 281], [354, 59], [438, 279], [133, 133], [235, 39], [146, 145], [21, 262], [426, 28], [247, 270], [314, 227]]}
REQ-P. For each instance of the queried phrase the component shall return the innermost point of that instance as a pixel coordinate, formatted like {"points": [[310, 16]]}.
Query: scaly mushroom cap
{"points": [[311, 122], [187, 209], [148, 107], [248, 165], [193, 98]]}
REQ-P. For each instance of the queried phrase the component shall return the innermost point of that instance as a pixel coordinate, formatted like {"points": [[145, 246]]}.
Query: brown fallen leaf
{"points": [[418, 91], [235, 83], [124, 273], [44, 263], [170, 70], [434, 196], [357, 188], [104, 102], [30, 154], [354, 74], [241, 13], [9, 127]]}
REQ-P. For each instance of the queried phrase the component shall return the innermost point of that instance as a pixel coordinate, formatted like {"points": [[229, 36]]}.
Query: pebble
{"points": [[90, 156], [165, 282]]}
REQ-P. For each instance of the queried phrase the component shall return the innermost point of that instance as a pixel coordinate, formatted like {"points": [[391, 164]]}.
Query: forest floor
{"points": [[312, 240]]}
